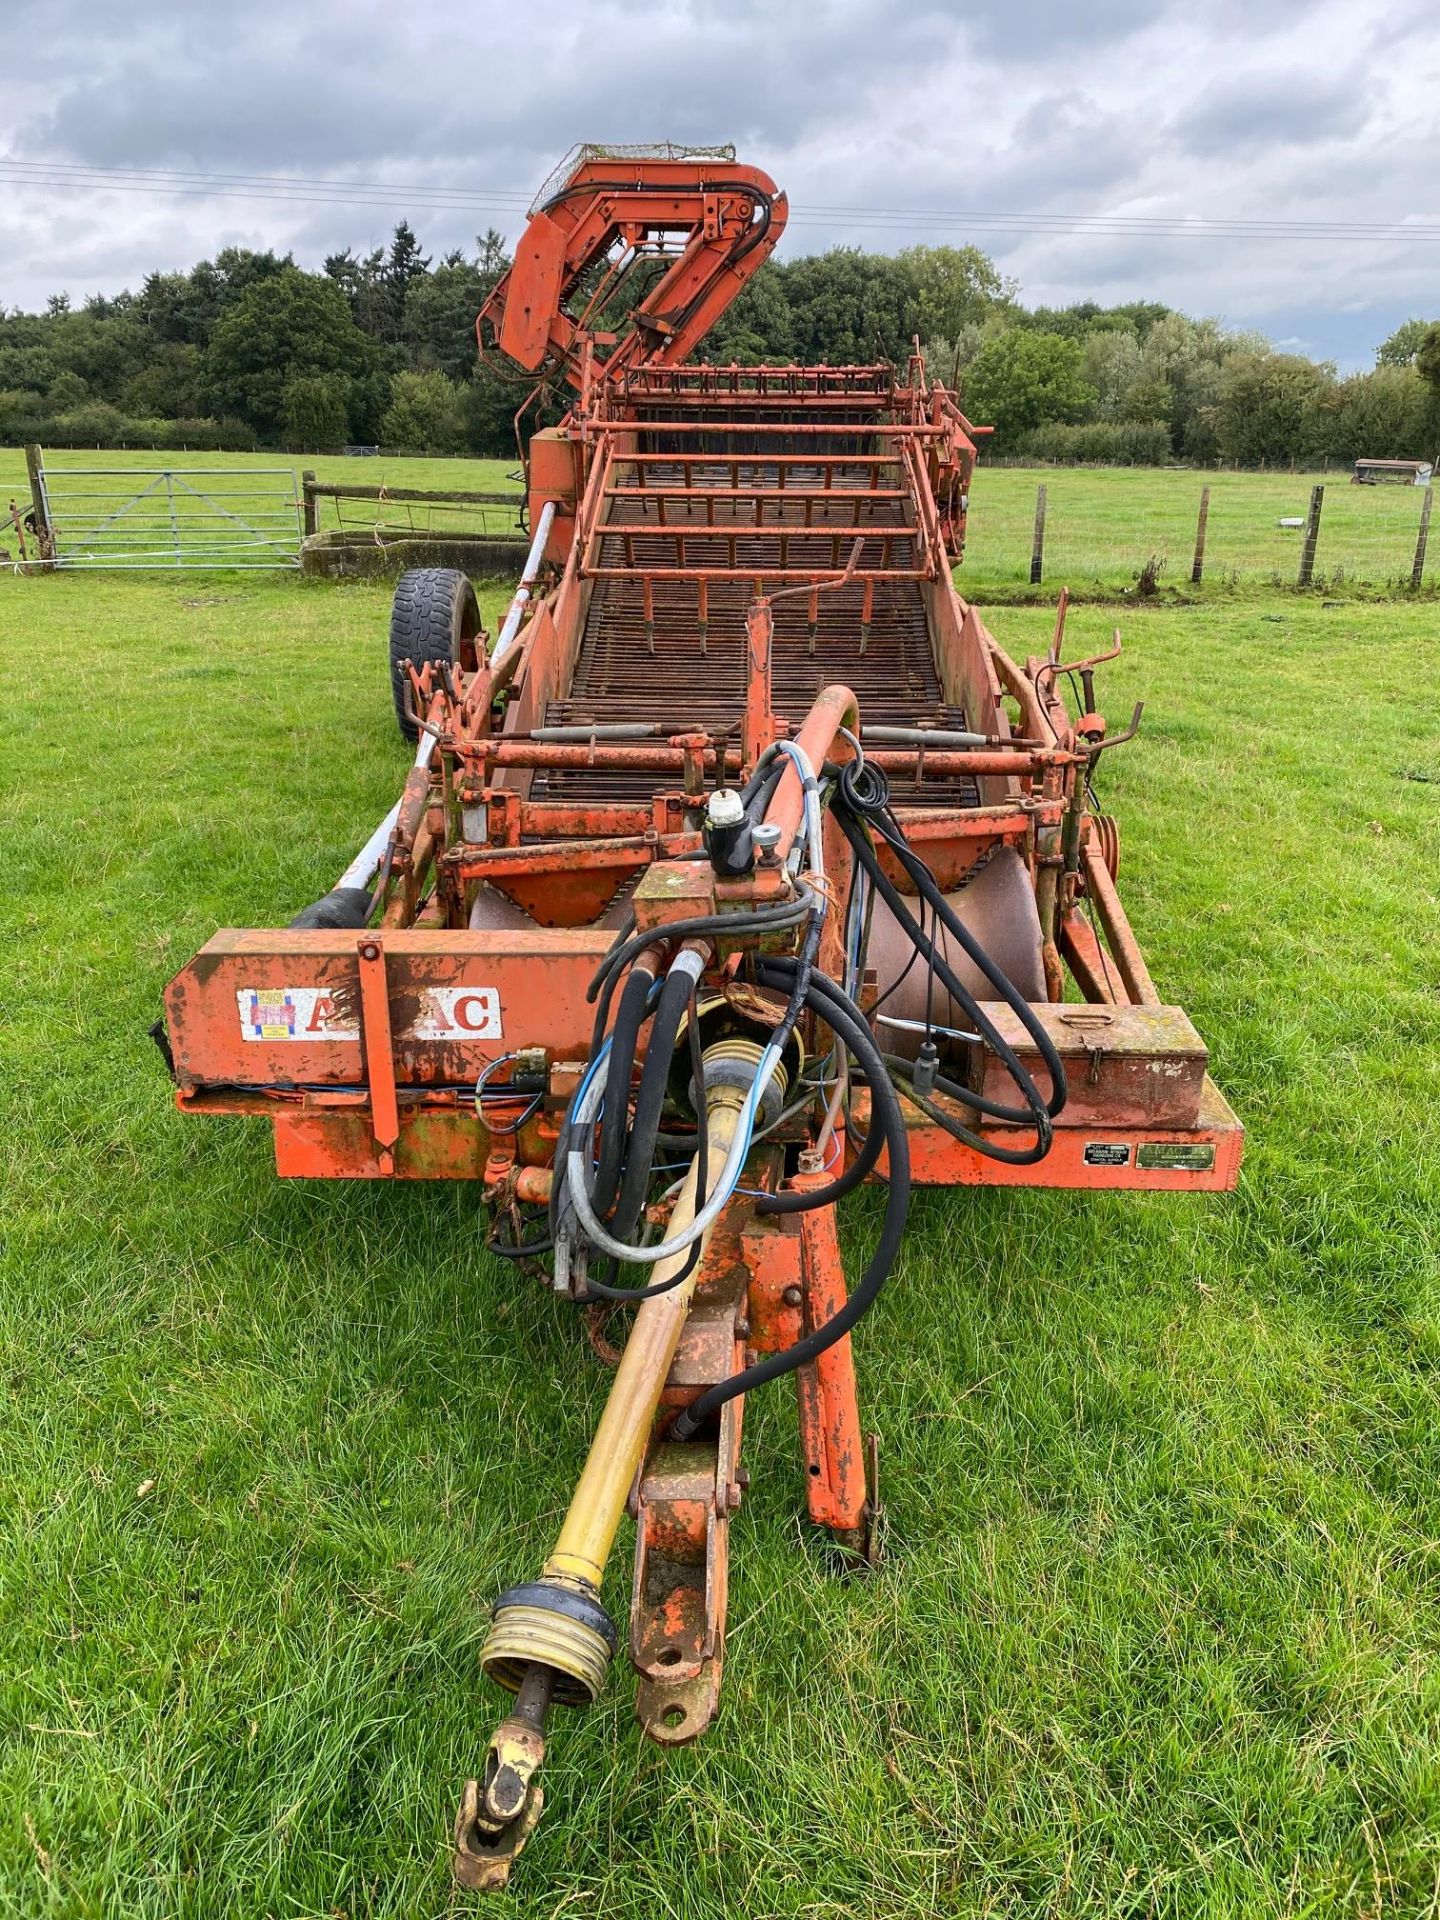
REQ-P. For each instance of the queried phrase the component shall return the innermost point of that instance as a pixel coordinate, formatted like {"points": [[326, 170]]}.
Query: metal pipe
{"points": [[835, 707], [603, 730], [366, 864], [925, 737], [1123, 944], [625, 1426], [508, 631]]}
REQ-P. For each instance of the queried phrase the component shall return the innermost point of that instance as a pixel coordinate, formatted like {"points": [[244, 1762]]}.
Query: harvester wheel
{"points": [[435, 616]]}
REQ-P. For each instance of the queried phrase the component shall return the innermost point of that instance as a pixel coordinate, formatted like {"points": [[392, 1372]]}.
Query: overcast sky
{"points": [[1263, 110]]}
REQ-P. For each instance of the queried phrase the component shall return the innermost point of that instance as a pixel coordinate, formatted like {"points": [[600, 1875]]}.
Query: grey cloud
{"points": [[251, 90], [995, 106], [1272, 110]]}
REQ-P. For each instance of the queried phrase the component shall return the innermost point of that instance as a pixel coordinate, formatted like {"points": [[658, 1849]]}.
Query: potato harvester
{"points": [[740, 866]]}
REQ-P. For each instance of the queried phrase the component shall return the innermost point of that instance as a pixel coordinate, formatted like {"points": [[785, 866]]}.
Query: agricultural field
{"points": [[1103, 524], [1156, 1632]]}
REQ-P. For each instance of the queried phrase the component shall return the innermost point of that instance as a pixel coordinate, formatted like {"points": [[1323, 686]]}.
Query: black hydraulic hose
{"points": [[1035, 1112], [755, 920], [780, 973], [759, 790], [864, 795], [856, 1035], [625, 1218], [562, 1143], [903, 1073], [606, 1288], [613, 1119], [929, 889], [520, 1249], [764, 920], [675, 996]]}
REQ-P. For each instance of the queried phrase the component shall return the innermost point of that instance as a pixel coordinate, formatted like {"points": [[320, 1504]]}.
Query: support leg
{"points": [[836, 1456], [684, 1498]]}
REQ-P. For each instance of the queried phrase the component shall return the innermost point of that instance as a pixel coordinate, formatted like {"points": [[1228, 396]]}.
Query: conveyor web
{"points": [[752, 517]]}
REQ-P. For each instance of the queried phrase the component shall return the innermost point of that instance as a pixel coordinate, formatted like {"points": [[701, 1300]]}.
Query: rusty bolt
{"points": [[370, 951], [742, 1479], [742, 1329], [792, 1296]]}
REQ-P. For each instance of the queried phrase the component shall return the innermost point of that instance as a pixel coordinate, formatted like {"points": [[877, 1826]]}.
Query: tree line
{"points": [[251, 350]]}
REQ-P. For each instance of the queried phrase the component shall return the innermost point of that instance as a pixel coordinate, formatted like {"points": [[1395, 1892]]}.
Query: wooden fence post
{"points": [[1197, 569], [40, 507], [1422, 539], [1312, 535], [1037, 547], [307, 487]]}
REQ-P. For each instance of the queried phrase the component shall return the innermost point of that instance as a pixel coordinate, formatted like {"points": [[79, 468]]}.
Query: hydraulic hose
{"points": [[930, 892], [607, 1289], [623, 1045], [1035, 1112], [856, 1035], [865, 796], [520, 1249], [780, 973], [762, 920], [903, 1072], [592, 1091], [676, 996]]}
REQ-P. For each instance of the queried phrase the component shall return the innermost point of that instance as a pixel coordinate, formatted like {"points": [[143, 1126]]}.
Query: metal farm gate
{"points": [[160, 519]]}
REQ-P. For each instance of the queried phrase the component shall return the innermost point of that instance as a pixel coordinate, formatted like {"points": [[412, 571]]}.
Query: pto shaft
{"points": [[624, 1430], [557, 1621], [552, 1639]]}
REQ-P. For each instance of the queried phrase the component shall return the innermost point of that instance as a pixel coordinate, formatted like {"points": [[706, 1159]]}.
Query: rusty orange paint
{"points": [[737, 556], [825, 1391]]}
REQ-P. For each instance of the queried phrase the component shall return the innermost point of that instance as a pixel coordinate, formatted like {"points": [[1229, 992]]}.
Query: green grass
{"points": [[1158, 1630], [1103, 524]]}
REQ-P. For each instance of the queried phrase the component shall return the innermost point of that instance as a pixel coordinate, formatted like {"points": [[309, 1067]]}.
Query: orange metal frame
{"points": [[675, 485]]}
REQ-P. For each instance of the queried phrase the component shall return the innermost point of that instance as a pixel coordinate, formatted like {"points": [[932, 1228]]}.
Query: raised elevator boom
{"points": [[668, 235]]}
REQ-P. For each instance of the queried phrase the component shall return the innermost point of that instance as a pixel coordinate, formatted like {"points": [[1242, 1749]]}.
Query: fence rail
{"points": [[416, 510], [1104, 527]]}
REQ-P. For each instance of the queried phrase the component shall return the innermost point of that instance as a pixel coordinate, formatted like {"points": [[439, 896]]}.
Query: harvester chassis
{"points": [[743, 841]]}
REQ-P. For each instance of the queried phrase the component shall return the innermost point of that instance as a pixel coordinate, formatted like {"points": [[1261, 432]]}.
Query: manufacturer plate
{"points": [[1106, 1153], [269, 1014], [1175, 1156]]}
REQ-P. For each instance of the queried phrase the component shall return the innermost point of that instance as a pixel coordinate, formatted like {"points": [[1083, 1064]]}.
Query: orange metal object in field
{"points": [[736, 556]]}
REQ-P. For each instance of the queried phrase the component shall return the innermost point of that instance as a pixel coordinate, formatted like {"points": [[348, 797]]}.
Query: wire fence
{"points": [[1108, 526], [389, 517], [1104, 526]]}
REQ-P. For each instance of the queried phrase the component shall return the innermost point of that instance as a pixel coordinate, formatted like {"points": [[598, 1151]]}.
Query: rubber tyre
{"points": [[435, 616]]}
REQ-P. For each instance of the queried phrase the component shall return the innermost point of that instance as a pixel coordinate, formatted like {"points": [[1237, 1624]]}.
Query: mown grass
{"points": [[1102, 526], [1157, 1633]]}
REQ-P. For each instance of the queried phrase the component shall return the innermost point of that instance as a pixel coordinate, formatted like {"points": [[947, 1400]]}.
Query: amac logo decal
{"points": [[311, 1014], [458, 1013]]}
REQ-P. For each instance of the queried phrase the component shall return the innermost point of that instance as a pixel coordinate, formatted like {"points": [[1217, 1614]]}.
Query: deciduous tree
{"points": [[1020, 378], [284, 326]]}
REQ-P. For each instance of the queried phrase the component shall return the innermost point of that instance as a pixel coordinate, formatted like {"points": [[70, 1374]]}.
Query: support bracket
{"points": [[379, 1049]]}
